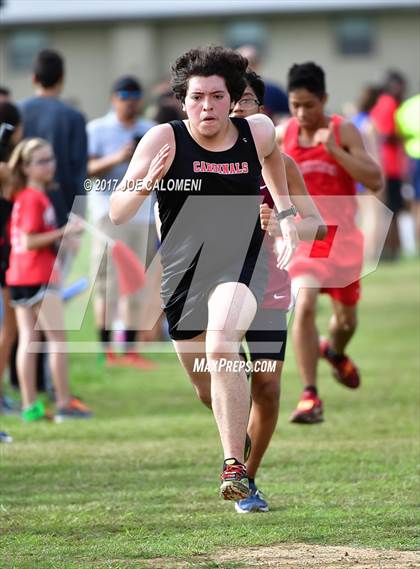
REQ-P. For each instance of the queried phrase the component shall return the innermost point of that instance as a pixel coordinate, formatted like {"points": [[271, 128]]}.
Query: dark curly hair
{"points": [[207, 61], [309, 76], [257, 85]]}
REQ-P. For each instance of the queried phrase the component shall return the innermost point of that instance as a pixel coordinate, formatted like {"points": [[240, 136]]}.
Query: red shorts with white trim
{"points": [[336, 264]]}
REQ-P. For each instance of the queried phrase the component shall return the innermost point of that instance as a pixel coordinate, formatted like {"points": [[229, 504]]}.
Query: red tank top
{"points": [[323, 175]]}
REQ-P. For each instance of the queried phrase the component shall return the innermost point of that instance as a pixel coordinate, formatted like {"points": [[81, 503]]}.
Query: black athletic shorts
{"points": [[393, 196], [187, 308], [29, 295], [266, 338]]}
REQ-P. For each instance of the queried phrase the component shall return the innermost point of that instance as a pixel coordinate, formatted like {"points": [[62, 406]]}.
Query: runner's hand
{"points": [[268, 220], [290, 241], [156, 167], [326, 137]]}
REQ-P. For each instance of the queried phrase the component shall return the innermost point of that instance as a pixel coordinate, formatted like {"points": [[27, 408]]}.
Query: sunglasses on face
{"points": [[129, 95]]}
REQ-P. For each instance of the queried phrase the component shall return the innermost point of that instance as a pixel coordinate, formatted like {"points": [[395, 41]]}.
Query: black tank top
{"points": [[222, 178]]}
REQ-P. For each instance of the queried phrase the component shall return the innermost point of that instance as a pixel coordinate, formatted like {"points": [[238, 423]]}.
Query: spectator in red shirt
{"points": [[32, 278], [392, 153]]}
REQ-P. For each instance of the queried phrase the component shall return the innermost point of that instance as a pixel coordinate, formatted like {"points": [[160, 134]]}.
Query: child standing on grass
{"points": [[33, 279]]}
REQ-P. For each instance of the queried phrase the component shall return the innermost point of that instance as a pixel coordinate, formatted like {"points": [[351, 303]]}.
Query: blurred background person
{"points": [[164, 111], [10, 134], [276, 104], [34, 281], [112, 140], [369, 212], [392, 154], [44, 115], [408, 123], [165, 106], [4, 94]]}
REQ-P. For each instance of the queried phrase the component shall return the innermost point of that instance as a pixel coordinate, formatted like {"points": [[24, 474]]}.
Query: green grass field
{"points": [[140, 481]]}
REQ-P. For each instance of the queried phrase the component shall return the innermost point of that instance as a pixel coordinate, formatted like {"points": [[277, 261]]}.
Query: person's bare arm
{"points": [[40, 240], [273, 170], [352, 155], [280, 130], [274, 174], [371, 138], [152, 159], [6, 181], [311, 225], [97, 166]]}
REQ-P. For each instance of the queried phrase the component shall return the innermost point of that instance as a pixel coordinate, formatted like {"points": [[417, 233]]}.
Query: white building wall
{"points": [[98, 53]]}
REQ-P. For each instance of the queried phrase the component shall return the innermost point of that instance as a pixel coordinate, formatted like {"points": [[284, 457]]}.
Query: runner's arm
{"points": [[354, 158], [311, 226], [280, 130], [150, 162], [273, 170], [274, 174]]}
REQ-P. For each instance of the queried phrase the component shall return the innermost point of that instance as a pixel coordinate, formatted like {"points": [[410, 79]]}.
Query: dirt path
{"points": [[301, 556], [297, 556]]}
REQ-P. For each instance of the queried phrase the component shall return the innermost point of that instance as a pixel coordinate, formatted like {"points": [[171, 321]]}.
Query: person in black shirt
{"points": [[213, 273], [10, 134]]}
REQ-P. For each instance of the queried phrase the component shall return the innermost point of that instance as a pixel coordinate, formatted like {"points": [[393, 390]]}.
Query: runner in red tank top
{"points": [[331, 157]]}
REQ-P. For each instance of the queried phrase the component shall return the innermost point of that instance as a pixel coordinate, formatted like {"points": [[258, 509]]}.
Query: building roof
{"points": [[15, 12]]}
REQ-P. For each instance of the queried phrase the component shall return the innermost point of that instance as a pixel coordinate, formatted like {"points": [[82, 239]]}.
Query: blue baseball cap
{"points": [[127, 84]]}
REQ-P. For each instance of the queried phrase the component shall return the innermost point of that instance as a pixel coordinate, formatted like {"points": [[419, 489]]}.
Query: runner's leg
{"points": [[342, 326], [201, 380], [304, 332], [232, 307], [265, 391]]}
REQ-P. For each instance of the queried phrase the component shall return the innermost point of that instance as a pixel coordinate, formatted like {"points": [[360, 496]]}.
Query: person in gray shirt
{"points": [[112, 140]]}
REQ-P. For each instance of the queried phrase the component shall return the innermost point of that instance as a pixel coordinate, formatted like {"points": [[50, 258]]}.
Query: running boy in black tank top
{"points": [[219, 292]]}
